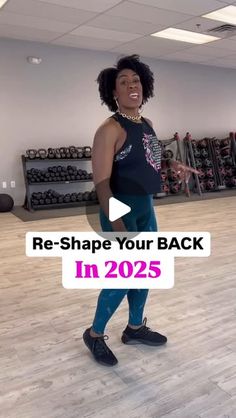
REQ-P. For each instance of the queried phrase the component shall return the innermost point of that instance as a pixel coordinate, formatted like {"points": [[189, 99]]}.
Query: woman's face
{"points": [[129, 91]]}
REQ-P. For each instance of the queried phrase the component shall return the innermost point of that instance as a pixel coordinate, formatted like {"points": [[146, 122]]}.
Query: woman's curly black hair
{"points": [[107, 79]]}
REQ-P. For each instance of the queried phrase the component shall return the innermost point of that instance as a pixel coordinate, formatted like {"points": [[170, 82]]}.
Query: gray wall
{"points": [[56, 103]]}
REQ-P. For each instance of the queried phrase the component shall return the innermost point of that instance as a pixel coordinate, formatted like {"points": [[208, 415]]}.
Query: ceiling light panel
{"points": [[226, 15], [185, 36], [2, 2]]}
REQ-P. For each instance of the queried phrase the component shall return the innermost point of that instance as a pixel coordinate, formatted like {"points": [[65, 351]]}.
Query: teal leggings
{"points": [[141, 218]]}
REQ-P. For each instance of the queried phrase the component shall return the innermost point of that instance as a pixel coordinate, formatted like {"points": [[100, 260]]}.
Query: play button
{"points": [[117, 209]]}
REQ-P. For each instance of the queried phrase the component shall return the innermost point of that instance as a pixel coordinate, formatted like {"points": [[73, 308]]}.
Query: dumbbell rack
{"points": [[224, 155], [193, 146], [178, 156], [29, 186]]}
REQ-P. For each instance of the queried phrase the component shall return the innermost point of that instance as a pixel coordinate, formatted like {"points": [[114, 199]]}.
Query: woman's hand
{"points": [[184, 171]]}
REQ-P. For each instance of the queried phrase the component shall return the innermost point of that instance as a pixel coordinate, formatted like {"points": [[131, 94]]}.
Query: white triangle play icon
{"points": [[117, 209]]}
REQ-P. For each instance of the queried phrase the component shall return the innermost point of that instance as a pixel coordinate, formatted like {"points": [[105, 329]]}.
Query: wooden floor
{"points": [[45, 369]]}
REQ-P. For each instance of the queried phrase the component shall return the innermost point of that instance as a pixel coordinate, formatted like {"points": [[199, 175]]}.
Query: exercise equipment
{"points": [[209, 173], [210, 184], [31, 153], [163, 176], [6, 202], [198, 163], [202, 143], [175, 187], [196, 153], [87, 151], [168, 154], [204, 153], [80, 152], [229, 161], [51, 153], [207, 163], [42, 153], [73, 151]]}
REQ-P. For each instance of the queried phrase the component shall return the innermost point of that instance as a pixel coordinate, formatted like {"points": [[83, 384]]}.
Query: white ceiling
{"points": [[121, 26]]}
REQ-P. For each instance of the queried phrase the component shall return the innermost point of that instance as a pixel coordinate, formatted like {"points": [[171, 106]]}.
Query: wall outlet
{"points": [[4, 184], [13, 184]]}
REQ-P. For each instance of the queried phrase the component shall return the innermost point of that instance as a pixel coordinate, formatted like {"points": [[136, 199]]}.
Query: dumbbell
{"points": [[31, 153], [79, 197], [163, 176], [66, 198], [175, 187], [196, 153], [71, 170], [67, 152], [198, 163], [207, 163], [217, 152], [83, 177], [57, 153], [51, 153], [194, 143], [222, 171], [73, 197], [229, 161], [35, 196], [230, 181], [93, 195], [42, 153], [210, 184], [80, 152], [209, 173], [87, 151], [168, 154], [90, 176], [73, 151], [165, 188], [202, 143], [225, 152], [228, 171], [217, 142], [60, 198], [220, 162], [35, 202], [201, 173], [225, 142], [62, 152], [172, 175], [204, 153], [233, 181], [86, 196]]}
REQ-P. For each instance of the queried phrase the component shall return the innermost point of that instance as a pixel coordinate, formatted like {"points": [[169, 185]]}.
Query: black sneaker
{"points": [[100, 351], [143, 335]]}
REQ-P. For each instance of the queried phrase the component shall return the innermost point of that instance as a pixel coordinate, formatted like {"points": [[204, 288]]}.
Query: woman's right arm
{"points": [[102, 160]]}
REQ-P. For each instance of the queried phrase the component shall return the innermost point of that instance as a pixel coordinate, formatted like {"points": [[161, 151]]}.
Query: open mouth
{"points": [[133, 95]]}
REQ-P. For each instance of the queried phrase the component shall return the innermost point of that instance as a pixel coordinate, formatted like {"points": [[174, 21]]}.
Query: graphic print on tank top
{"points": [[122, 154], [153, 150]]}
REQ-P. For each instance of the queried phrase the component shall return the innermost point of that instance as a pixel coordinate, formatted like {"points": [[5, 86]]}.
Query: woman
{"points": [[126, 162]]}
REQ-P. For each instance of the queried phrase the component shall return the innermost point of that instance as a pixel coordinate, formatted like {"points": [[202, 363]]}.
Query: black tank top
{"points": [[137, 165]]}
